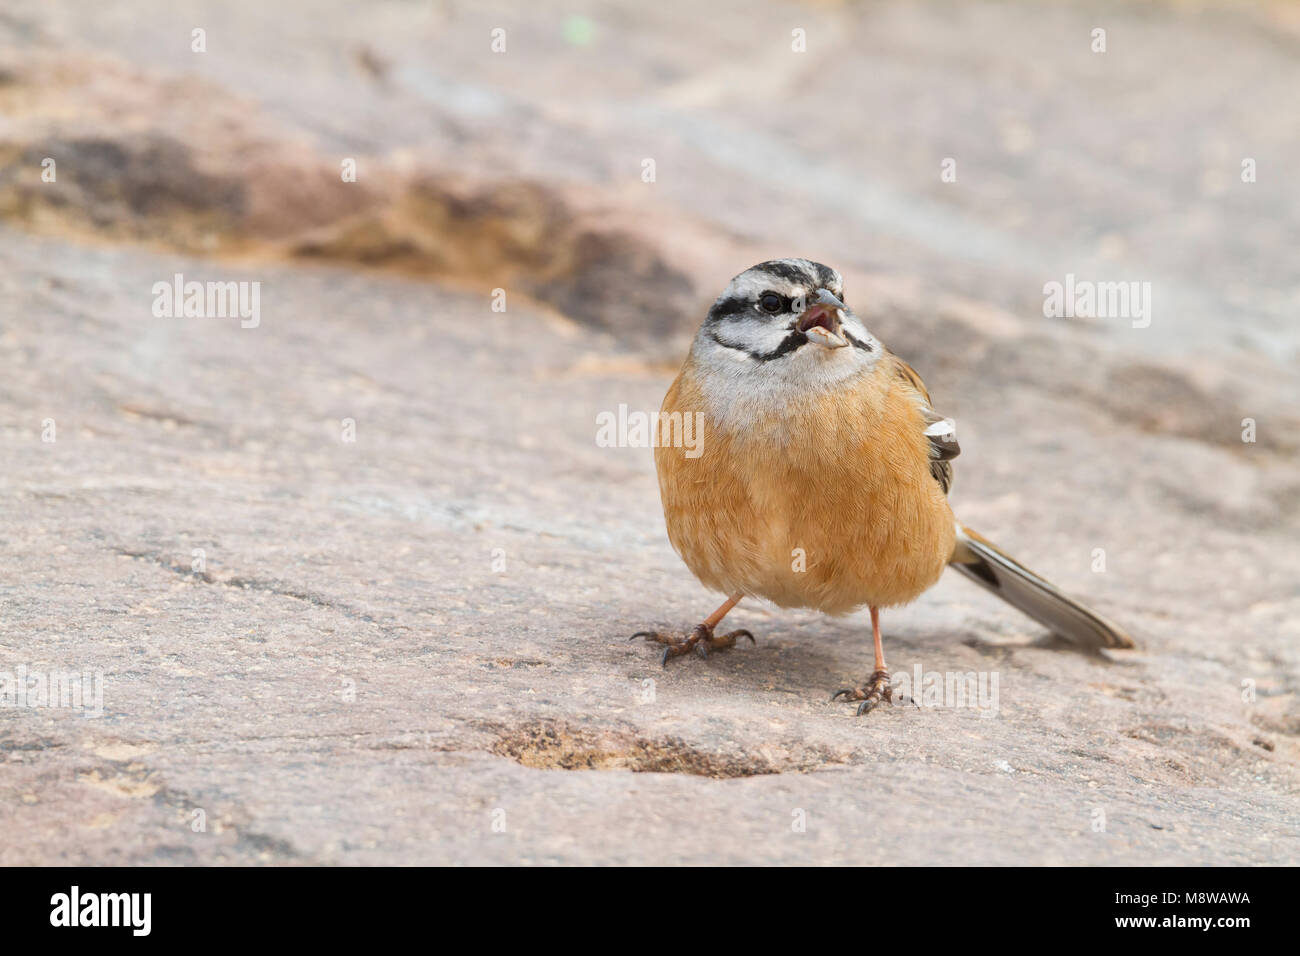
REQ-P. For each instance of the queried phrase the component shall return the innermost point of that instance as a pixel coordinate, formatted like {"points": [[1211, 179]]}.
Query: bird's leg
{"points": [[877, 686], [701, 638]]}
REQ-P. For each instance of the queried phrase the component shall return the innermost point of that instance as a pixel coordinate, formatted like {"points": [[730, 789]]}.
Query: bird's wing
{"points": [[941, 431]]}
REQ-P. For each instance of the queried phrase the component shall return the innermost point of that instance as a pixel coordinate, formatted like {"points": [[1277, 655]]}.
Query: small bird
{"points": [[820, 472]]}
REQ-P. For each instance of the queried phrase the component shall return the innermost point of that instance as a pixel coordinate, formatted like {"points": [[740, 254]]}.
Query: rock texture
{"points": [[359, 580]]}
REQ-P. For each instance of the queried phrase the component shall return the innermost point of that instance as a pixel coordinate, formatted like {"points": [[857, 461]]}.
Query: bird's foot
{"points": [[701, 640], [871, 694]]}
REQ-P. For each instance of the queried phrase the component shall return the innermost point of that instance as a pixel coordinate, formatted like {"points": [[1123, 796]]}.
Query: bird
{"points": [[819, 474]]}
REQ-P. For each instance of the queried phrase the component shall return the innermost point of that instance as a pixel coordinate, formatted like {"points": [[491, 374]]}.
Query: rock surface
{"points": [[411, 647]]}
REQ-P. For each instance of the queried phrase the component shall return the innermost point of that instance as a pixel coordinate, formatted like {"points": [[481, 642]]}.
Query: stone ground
{"points": [[412, 647]]}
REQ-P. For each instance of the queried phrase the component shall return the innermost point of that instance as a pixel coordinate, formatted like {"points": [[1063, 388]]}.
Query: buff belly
{"points": [[827, 503]]}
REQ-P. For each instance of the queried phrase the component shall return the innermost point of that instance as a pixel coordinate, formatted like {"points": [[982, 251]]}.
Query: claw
{"points": [[871, 694], [701, 639]]}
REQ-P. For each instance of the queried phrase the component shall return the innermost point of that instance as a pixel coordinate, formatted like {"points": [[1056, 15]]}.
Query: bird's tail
{"points": [[982, 562]]}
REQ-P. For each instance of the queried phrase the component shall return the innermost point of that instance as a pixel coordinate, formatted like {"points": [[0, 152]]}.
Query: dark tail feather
{"points": [[982, 562]]}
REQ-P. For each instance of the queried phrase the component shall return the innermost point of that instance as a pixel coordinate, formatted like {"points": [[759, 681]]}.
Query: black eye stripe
{"points": [[728, 307], [733, 306]]}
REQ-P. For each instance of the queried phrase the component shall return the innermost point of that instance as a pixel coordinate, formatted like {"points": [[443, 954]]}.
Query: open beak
{"points": [[823, 321]]}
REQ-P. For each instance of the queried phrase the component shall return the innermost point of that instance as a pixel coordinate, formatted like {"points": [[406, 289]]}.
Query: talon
{"points": [[875, 690], [877, 686], [700, 639]]}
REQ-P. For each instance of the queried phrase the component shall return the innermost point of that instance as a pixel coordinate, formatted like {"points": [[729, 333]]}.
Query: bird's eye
{"points": [[769, 302]]}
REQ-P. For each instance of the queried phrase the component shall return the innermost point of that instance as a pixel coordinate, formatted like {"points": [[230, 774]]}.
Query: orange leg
{"points": [[877, 686], [701, 639], [875, 636], [714, 619]]}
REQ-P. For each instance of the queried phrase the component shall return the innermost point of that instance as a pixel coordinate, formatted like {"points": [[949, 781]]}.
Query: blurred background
{"points": [[204, 532]]}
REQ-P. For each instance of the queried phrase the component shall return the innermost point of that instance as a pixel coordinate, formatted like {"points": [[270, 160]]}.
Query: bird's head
{"points": [[786, 319]]}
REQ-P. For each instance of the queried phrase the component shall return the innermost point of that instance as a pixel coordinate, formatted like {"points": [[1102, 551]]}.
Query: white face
{"points": [[751, 348]]}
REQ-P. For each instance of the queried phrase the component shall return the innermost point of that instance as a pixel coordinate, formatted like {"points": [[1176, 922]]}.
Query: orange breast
{"points": [[828, 503]]}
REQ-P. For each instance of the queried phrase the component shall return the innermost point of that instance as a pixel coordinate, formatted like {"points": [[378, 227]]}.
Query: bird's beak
{"points": [[823, 321]]}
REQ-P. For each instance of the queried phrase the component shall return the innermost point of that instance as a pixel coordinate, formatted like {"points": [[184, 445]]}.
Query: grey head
{"points": [[784, 323]]}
